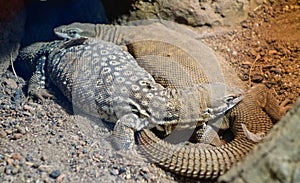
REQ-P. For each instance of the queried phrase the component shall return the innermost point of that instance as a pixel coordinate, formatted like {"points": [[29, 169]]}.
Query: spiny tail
{"points": [[192, 161]]}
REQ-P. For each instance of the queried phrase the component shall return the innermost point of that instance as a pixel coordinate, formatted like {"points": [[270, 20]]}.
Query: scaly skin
{"points": [[211, 162], [106, 82], [192, 161]]}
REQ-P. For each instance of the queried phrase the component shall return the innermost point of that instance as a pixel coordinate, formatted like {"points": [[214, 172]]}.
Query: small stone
{"points": [[21, 130], [15, 170], [44, 158], [8, 131], [51, 141], [122, 170], [2, 134], [257, 78], [9, 161], [272, 52], [60, 178], [276, 70], [234, 53], [114, 171], [28, 157], [16, 136], [52, 132], [54, 174], [28, 108], [8, 171], [16, 156]]}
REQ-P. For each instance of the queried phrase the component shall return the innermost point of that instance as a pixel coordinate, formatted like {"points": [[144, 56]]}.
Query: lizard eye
{"points": [[73, 33], [229, 99]]}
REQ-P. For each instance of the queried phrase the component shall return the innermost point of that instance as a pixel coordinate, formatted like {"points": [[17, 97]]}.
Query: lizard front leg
{"points": [[122, 137], [36, 87]]}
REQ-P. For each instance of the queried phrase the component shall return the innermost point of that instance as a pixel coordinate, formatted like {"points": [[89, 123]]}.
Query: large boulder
{"points": [[276, 159], [190, 12], [12, 21]]}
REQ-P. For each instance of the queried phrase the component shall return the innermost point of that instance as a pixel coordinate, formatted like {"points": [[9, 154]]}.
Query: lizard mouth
{"points": [[228, 102], [62, 35]]}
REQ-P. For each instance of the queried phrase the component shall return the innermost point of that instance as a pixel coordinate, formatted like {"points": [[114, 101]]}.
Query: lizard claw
{"points": [[255, 137]]}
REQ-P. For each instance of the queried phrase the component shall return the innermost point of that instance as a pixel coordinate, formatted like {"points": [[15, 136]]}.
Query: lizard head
{"points": [[209, 100], [75, 30], [223, 98]]}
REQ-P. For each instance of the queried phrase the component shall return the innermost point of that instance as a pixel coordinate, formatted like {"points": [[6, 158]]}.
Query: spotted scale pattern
{"points": [[105, 81]]}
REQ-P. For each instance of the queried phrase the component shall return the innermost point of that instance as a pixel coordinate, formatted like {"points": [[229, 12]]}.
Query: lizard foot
{"points": [[123, 142]]}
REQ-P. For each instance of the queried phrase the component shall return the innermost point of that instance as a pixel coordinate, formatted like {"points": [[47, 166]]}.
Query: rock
{"points": [[2, 134], [60, 178], [16, 156], [190, 12], [257, 78], [16, 136], [54, 174]]}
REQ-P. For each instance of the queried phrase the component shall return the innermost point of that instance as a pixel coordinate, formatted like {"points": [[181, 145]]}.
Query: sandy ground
{"points": [[45, 142]]}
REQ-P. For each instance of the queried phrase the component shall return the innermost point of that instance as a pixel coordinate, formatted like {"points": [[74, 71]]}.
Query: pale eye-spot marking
{"points": [[104, 52], [103, 64], [149, 95], [114, 62], [99, 82], [142, 83], [127, 73], [133, 78], [104, 59], [87, 53], [116, 74], [135, 87], [144, 102], [95, 60], [106, 70], [109, 79], [120, 79], [124, 90], [145, 90], [138, 95], [163, 93], [112, 57]]}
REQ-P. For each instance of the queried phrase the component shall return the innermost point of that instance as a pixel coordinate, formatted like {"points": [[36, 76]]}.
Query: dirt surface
{"points": [[266, 48], [45, 142]]}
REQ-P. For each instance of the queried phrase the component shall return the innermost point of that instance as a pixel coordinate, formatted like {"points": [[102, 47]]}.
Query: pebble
{"points": [[7, 170], [54, 174], [28, 157], [257, 78], [234, 53], [16, 136], [15, 170], [276, 70], [60, 178], [16, 156], [2, 134], [28, 108], [21, 130]]}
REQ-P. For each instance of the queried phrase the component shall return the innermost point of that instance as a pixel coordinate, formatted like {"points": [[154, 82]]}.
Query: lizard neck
{"points": [[110, 33]]}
